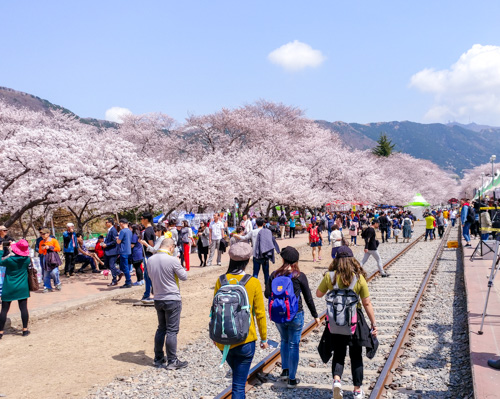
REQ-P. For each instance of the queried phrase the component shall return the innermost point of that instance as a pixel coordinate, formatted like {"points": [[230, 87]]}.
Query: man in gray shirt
{"points": [[165, 272]]}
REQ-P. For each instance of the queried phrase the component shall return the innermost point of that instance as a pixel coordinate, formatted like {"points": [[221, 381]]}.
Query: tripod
{"points": [[482, 242], [494, 270], [479, 247]]}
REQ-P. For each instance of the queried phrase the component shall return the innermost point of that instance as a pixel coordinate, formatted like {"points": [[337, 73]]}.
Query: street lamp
{"points": [[482, 186], [492, 160]]}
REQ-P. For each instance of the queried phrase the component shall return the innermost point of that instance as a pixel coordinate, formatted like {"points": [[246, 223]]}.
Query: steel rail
{"points": [[384, 378], [269, 362]]}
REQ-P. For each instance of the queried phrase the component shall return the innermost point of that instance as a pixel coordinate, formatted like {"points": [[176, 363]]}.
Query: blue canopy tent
{"points": [[156, 219]]}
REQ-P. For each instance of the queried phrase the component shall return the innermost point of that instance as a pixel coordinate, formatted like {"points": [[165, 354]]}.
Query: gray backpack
{"points": [[230, 316], [341, 308]]}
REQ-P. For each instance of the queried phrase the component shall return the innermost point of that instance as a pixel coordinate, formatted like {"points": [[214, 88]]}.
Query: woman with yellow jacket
{"points": [[49, 244], [240, 355]]}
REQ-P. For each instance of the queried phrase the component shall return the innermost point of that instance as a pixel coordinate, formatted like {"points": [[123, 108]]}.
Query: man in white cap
{"points": [[70, 249]]}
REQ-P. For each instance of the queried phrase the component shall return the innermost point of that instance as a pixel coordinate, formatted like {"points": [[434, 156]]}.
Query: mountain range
{"points": [[454, 147]]}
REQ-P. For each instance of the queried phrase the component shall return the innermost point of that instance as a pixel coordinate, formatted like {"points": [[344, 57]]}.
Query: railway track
{"points": [[395, 301]]}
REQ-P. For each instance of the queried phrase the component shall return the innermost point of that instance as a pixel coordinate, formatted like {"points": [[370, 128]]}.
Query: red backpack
{"points": [[313, 234]]}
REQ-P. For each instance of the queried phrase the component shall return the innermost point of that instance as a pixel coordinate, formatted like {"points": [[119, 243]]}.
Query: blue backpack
{"points": [[283, 304]]}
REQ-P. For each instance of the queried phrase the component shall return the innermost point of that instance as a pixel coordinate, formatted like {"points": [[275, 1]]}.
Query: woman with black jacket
{"points": [[291, 331]]}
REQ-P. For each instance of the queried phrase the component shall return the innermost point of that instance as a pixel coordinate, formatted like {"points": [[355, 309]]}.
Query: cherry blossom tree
{"points": [[263, 154]]}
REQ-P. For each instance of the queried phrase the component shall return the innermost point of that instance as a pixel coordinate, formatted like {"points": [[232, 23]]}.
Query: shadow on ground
{"points": [[138, 357]]}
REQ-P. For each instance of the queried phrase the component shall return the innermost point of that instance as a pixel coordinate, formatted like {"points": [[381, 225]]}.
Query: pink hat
{"points": [[21, 248]]}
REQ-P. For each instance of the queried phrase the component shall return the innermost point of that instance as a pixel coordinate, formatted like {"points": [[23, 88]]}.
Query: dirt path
{"points": [[70, 353]]}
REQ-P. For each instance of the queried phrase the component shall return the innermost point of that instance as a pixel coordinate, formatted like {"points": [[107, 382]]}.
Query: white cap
{"points": [[70, 225]]}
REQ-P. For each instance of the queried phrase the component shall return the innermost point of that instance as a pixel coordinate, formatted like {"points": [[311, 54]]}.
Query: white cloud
{"points": [[295, 56], [116, 114], [468, 90]]}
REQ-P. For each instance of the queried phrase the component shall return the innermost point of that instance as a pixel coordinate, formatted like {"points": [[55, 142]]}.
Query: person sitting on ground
{"points": [[240, 355], [85, 257], [346, 267], [15, 285], [165, 272]]}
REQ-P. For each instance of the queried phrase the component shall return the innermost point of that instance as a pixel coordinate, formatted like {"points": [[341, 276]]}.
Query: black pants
{"points": [[340, 343], [23, 307], [383, 230], [69, 262], [169, 317], [138, 270], [440, 231], [202, 251], [474, 229], [292, 232]]}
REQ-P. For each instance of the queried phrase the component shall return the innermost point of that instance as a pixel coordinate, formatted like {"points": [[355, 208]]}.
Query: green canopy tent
{"points": [[418, 200], [417, 206]]}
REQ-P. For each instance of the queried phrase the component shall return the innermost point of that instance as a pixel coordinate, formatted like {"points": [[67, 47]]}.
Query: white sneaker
{"points": [[358, 394], [337, 390]]}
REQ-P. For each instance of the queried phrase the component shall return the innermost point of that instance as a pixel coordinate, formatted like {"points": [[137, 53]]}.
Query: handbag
{"points": [[32, 278]]}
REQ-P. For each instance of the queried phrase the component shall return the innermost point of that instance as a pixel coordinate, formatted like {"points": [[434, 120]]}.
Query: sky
{"points": [[353, 61]]}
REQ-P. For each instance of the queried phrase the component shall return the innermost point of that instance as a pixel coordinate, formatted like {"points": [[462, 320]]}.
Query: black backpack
{"points": [[471, 215]]}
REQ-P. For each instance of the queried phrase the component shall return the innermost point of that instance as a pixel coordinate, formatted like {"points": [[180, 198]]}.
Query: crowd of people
{"points": [[159, 256]]}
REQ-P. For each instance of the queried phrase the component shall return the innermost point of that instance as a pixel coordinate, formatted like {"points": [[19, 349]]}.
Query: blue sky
{"points": [[196, 57]]}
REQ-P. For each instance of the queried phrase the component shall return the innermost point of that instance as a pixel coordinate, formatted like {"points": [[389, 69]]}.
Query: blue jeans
{"points": [[466, 231], [240, 360], [265, 268], [453, 222], [147, 285], [429, 232], [54, 274], [354, 239], [485, 236], [85, 261], [329, 239], [290, 339], [110, 263], [125, 269]]}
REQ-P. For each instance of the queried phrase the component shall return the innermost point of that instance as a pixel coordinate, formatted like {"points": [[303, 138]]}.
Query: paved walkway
{"points": [[487, 345], [84, 289]]}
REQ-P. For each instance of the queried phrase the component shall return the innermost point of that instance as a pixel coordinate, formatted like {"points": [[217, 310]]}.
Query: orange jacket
{"points": [[51, 242]]}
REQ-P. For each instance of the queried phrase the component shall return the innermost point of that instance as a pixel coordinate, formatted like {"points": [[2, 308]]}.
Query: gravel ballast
{"points": [[204, 379]]}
